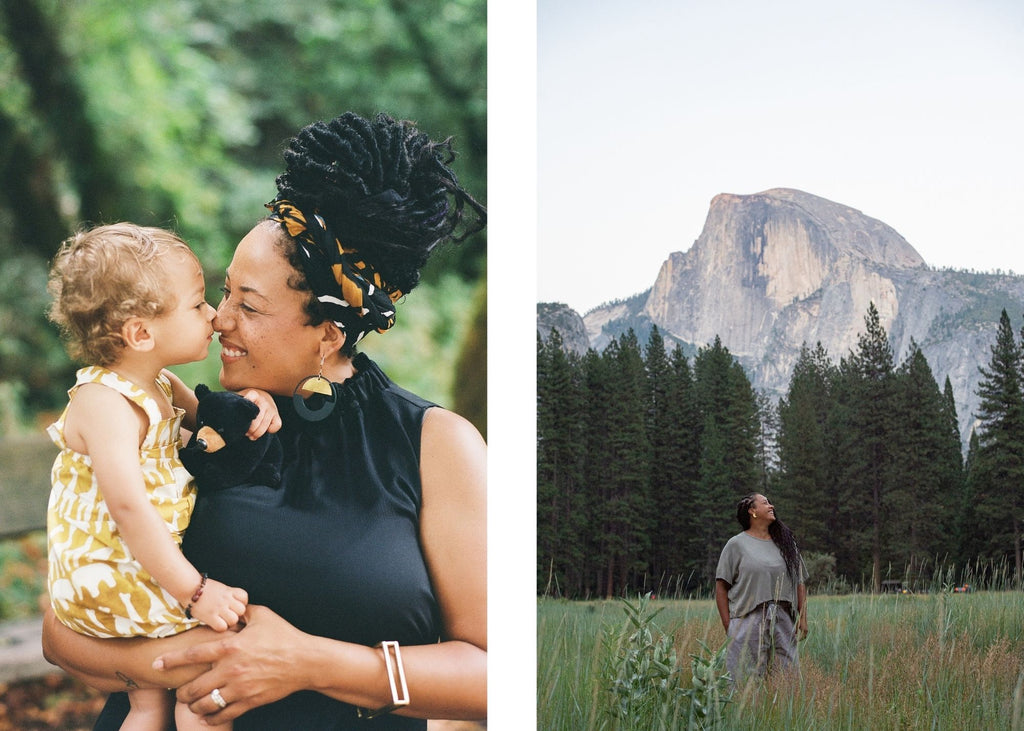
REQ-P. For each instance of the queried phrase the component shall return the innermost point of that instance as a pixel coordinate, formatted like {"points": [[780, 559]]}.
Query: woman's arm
{"points": [[801, 610], [453, 527], [270, 659], [111, 665], [722, 601]]}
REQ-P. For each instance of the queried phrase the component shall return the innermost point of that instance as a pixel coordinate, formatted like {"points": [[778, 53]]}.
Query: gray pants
{"points": [[760, 642]]}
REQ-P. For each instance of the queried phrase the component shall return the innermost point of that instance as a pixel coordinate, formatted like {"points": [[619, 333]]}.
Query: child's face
{"points": [[183, 333]]}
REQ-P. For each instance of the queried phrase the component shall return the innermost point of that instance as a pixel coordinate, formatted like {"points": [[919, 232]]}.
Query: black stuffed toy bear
{"points": [[219, 454]]}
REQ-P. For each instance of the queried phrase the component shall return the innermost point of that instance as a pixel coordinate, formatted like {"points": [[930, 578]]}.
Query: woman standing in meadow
{"points": [[760, 592]]}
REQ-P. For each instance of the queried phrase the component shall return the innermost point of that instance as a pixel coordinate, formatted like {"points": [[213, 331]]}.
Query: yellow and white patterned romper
{"points": [[96, 587]]}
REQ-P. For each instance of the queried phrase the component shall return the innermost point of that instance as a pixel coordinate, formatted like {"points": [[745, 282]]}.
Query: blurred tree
{"points": [[175, 112], [673, 463]]}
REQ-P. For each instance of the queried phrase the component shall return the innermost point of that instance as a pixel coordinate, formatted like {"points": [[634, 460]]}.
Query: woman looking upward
{"points": [[760, 592]]}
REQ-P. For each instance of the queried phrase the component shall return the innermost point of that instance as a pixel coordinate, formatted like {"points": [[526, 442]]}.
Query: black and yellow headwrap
{"points": [[352, 293]]}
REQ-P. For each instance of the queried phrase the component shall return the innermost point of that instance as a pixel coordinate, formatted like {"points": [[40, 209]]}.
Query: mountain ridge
{"points": [[776, 270]]}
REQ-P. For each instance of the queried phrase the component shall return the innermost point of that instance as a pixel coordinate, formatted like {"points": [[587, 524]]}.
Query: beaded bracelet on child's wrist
{"points": [[195, 596]]}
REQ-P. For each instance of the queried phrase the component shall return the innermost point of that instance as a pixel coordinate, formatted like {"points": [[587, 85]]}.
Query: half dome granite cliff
{"points": [[782, 268]]}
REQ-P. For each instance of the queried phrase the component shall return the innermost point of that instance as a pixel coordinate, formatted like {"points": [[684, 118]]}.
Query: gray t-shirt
{"points": [[756, 573]]}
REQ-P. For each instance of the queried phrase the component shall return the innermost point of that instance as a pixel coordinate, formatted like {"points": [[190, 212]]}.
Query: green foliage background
{"points": [[175, 112]]}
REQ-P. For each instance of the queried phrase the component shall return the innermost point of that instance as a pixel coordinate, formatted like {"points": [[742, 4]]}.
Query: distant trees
{"points": [[862, 458], [641, 495]]}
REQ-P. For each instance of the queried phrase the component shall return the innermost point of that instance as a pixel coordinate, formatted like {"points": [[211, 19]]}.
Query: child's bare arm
{"points": [[269, 418], [110, 426], [183, 397]]}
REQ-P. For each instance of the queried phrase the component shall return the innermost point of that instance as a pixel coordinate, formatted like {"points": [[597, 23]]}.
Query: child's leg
{"points": [[150, 710], [185, 720]]}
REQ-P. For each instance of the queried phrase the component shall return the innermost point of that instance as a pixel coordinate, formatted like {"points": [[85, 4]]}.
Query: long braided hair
{"points": [[779, 532]]}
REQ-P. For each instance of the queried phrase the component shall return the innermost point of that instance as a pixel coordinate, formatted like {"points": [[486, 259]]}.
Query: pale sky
{"points": [[911, 112]]}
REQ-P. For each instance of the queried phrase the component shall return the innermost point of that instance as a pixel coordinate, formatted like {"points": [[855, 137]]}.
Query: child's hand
{"points": [[268, 420], [220, 606]]}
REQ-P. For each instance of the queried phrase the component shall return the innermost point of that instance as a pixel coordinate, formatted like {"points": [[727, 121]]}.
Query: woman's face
{"points": [[265, 340], [762, 508]]}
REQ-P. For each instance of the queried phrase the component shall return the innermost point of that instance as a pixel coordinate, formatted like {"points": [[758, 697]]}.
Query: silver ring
{"points": [[218, 698]]}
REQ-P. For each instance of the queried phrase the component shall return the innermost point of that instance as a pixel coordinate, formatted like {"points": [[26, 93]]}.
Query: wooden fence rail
{"points": [[24, 483], [24, 489]]}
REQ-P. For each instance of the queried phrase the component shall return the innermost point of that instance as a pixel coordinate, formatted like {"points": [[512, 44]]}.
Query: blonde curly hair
{"points": [[105, 275]]}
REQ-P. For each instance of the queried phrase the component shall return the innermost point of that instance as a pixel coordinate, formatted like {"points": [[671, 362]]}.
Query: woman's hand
{"points": [[250, 668], [801, 609], [801, 627]]}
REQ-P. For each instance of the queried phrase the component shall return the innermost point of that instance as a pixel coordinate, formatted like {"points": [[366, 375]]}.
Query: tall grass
{"points": [[911, 661]]}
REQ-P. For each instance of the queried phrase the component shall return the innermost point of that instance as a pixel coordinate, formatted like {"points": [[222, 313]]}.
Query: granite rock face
{"points": [[785, 261], [561, 317], [782, 268]]}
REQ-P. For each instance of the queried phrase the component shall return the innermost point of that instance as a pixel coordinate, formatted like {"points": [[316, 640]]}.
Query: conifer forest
{"points": [[642, 455]]}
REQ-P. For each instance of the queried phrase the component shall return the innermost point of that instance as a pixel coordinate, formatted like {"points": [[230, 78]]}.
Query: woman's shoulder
{"points": [[740, 539], [452, 451], [440, 427], [440, 423]]}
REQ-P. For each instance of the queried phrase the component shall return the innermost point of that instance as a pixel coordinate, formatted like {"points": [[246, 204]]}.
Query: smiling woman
{"points": [[380, 515], [760, 592]]}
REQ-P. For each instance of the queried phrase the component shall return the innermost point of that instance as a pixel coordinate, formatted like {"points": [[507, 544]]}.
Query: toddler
{"points": [[130, 301]]}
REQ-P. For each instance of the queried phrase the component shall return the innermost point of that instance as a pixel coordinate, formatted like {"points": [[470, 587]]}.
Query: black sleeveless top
{"points": [[335, 549]]}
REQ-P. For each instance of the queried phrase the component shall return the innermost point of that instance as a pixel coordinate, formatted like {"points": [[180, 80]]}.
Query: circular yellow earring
{"points": [[755, 514]]}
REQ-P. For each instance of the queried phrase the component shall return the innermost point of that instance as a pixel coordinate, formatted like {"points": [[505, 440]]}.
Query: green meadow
{"points": [[942, 661]]}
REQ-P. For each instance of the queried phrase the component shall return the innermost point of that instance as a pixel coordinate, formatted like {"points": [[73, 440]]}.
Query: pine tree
{"points": [[806, 493], [626, 509], [599, 394], [663, 468], [547, 492], [685, 557], [866, 443], [727, 410], [972, 543], [560, 502], [956, 456], [674, 454], [999, 467], [926, 479]]}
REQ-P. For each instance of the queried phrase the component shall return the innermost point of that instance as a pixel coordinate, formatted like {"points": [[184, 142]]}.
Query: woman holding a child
{"points": [[366, 568]]}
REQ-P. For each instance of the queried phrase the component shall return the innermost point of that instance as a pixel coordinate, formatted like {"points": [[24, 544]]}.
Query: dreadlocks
{"points": [[384, 187]]}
